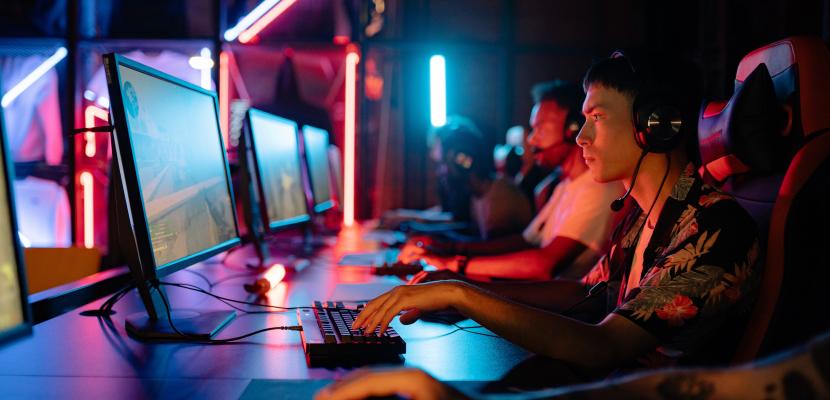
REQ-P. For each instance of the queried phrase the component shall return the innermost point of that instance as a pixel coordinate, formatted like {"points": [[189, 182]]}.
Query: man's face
{"points": [[607, 137], [547, 134]]}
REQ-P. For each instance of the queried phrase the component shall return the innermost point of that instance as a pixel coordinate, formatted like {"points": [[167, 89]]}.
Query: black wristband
{"points": [[462, 264]]}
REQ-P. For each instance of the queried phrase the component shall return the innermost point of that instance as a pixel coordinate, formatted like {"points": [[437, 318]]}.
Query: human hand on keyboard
{"points": [[413, 299]]}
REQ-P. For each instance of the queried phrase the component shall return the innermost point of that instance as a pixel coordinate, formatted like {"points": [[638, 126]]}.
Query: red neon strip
{"points": [[90, 114], [89, 226], [350, 127], [224, 96], [266, 19]]}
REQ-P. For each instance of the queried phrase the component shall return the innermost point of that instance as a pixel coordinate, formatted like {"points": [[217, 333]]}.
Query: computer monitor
{"points": [[316, 144], [15, 316], [277, 170], [176, 187]]}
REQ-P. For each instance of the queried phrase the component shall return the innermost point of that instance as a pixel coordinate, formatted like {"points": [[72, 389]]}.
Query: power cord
{"points": [[199, 339], [228, 301]]}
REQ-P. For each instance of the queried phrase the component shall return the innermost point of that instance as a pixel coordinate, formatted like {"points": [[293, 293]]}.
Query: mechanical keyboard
{"points": [[328, 338]]}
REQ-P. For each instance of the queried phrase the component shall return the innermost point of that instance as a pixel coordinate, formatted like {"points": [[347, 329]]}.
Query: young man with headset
{"points": [[680, 273], [569, 233], [495, 206]]}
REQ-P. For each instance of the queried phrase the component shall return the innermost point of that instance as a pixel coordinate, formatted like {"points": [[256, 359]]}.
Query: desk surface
{"points": [[74, 346]]}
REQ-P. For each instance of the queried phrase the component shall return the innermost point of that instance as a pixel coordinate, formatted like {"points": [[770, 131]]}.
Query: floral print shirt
{"points": [[699, 274]]}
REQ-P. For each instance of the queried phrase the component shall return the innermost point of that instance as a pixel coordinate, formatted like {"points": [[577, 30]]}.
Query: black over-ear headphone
{"points": [[573, 123], [461, 151], [658, 122]]}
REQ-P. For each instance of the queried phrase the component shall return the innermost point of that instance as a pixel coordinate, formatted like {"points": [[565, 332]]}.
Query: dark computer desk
{"points": [[79, 356]]}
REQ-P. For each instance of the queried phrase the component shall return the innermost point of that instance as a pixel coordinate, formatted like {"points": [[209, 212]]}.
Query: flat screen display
{"points": [[277, 153], [316, 150], [179, 158], [15, 318]]}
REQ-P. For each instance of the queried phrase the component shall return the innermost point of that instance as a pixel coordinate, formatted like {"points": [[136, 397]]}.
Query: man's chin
{"points": [[598, 175]]}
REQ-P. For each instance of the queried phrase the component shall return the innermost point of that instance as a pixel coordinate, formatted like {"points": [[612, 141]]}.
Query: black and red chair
{"points": [[768, 146]]}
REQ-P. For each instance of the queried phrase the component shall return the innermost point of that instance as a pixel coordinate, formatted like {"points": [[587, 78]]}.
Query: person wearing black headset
{"points": [[677, 298], [468, 186]]}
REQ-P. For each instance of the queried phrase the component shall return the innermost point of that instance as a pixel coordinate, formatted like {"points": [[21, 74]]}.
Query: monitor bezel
{"points": [[273, 226], [129, 171], [326, 205], [25, 326]]}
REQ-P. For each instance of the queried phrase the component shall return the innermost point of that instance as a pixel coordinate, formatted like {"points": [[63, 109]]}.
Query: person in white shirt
{"points": [[571, 231]]}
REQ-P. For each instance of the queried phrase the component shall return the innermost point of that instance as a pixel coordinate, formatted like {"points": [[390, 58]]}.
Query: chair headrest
{"points": [[800, 70], [743, 133]]}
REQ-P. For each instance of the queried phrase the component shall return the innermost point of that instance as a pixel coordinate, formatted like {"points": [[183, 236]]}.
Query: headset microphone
{"points": [[618, 204]]}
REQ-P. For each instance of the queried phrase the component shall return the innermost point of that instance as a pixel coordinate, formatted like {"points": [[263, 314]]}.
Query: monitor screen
{"points": [[179, 158], [277, 158], [14, 315], [316, 151]]}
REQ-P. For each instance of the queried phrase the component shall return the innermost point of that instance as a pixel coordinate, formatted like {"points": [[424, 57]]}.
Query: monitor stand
{"points": [[154, 323], [190, 324]]}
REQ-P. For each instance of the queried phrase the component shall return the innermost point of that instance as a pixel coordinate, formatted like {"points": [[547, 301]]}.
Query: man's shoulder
{"points": [[719, 208]]}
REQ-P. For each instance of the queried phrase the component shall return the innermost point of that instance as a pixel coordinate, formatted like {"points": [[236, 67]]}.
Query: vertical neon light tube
{"points": [[437, 91], [224, 95], [90, 114], [89, 227], [350, 132]]}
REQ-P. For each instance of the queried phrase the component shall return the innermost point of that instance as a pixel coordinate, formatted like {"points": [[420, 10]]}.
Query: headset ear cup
{"points": [[573, 124], [658, 126]]}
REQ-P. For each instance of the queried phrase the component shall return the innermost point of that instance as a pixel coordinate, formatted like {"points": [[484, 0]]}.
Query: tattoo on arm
{"points": [[686, 386]]}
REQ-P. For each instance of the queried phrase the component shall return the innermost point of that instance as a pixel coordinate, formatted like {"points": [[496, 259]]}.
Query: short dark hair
{"points": [[566, 94], [461, 135], [675, 77]]}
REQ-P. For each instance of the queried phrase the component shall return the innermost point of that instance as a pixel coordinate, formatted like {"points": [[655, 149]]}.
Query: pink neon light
{"points": [[90, 114], [349, 151], [266, 19], [89, 227], [275, 274], [224, 95]]}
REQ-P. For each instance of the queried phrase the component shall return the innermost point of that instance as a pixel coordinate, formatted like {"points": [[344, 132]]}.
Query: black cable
{"points": [[231, 277], [603, 285], [105, 309], [199, 339], [204, 278], [226, 299]]}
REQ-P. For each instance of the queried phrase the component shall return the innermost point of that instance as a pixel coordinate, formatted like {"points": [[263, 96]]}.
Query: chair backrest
{"points": [[782, 180]]}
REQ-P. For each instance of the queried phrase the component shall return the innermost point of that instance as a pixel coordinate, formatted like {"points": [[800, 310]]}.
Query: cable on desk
{"points": [[203, 277], [105, 311], [198, 339], [220, 281], [468, 329], [227, 300]]}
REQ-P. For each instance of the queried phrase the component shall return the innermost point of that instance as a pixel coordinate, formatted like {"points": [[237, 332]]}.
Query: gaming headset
{"points": [[460, 141], [573, 124], [658, 122]]}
